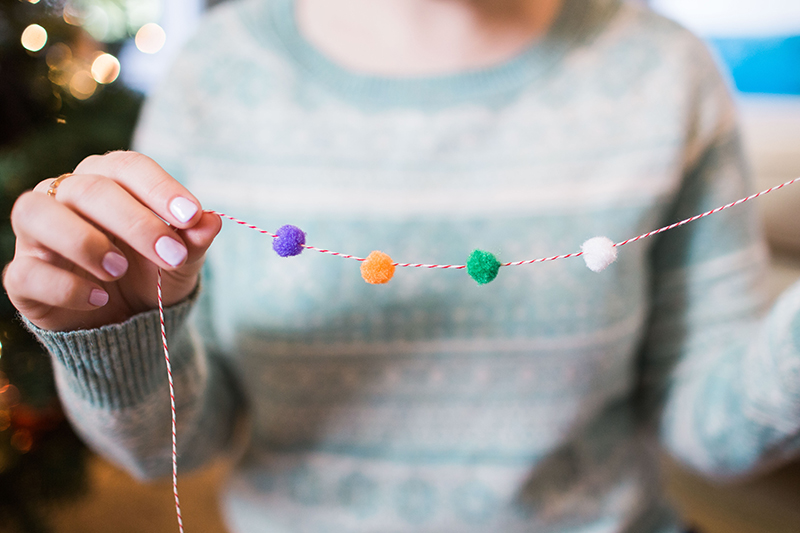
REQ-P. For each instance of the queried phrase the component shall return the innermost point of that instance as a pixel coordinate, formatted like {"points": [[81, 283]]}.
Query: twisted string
{"points": [[528, 261], [707, 213], [412, 265], [172, 406]]}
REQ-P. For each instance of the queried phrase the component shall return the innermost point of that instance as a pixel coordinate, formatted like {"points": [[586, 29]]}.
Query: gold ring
{"points": [[55, 183]]}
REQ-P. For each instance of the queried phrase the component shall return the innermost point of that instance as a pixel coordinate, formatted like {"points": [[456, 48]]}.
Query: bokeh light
{"points": [[72, 14], [60, 60], [140, 12], [150, 38], [22, 440], [98, 22], [59, 76], [34, 37], [82, 85], [9, 395], [105, 68], [58, 55]]}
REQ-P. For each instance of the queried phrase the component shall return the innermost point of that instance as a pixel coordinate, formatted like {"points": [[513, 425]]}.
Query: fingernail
{"points": [[115, 264], [170, 251], [182, 209], [98, 297]]}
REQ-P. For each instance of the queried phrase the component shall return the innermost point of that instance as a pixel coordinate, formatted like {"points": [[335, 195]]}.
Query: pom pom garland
{"points": [[377, 268], [289, 241], [482, 266], [598, 253]]}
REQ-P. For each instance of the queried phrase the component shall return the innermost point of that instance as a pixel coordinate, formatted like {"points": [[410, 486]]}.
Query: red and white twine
{"points": [[172, 407], [528, 261], [412, 265]]}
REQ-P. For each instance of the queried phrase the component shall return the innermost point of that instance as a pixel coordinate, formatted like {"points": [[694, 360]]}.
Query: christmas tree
{"points": [[59, 102]]}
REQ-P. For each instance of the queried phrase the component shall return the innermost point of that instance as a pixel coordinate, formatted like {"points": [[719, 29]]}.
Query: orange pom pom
{"points": [[377, 268]]}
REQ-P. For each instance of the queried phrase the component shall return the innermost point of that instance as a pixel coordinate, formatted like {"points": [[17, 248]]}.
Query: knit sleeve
{"points": [[113, 380], [725, 373], [113, 384]]}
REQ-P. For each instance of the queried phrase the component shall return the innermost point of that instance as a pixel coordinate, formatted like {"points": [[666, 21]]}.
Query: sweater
{"points": [[536, 402]]}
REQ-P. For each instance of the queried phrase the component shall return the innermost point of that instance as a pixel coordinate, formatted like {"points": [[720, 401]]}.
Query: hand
{"points": [[88, 256]]}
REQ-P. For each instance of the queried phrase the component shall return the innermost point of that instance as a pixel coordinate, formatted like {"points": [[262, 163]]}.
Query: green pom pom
{"points": [[482, 266]]}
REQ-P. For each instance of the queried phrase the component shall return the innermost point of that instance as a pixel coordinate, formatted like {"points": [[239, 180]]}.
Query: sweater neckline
{"points": [[575, 23]]}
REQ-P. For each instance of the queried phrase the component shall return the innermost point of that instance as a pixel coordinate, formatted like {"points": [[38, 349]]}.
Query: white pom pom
{"points": [[599, 252]]}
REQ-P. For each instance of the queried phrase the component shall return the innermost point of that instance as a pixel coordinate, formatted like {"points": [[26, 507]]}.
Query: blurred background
{"points": [[73, 75]]}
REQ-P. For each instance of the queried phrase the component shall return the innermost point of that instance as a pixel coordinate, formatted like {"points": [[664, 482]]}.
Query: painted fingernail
{"points": [[115, 264], [98, 297], [182, 209], [171, 251]]}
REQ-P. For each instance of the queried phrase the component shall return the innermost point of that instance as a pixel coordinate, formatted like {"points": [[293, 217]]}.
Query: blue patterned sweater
{"points": [[432, 404]]}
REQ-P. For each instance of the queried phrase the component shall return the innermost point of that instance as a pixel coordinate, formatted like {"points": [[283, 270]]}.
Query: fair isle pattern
{"points": [[432, 404]]}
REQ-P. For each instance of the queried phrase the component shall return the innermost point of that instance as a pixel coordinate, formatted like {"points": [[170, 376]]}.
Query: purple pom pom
{"points": [[289, 241]]}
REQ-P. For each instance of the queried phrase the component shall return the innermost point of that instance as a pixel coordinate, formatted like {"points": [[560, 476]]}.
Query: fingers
{"points": [[146, 181], [199, 237], [39, 222], [115, 215], [36, 284], [105, 203]]}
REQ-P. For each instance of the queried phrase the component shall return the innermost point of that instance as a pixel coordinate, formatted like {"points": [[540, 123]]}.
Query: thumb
{"points": [[199, 237]]}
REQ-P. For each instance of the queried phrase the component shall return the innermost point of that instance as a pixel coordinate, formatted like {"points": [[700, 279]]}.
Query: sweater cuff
{"points": [[118, 365], [786, 317], [772, 373]]}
